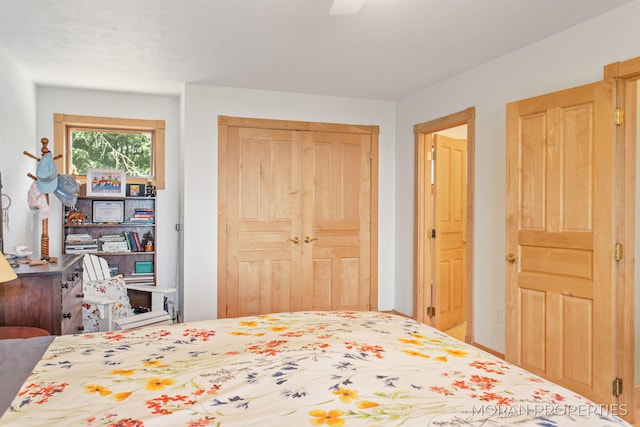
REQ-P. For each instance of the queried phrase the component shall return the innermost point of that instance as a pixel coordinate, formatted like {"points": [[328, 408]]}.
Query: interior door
{"points": [[337, 221], [297, 216], [264, 213], [450, 224], [559, 237]]}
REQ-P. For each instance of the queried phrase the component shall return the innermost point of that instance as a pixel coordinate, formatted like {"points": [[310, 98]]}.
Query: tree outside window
{"points": [[135, 145]]}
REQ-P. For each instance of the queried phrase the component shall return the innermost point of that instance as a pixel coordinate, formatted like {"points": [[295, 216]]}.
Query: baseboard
{"points": [[396, 313], [487, 349]]}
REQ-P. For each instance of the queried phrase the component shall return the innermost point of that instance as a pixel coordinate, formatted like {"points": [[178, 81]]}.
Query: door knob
{"points": [[511, 257], [308, 239], [295, 240]]}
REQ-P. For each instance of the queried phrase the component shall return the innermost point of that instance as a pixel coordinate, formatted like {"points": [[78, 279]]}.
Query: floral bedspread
{"points": [[288, 369]]}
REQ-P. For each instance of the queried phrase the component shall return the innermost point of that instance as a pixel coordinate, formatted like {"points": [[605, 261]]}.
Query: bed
{"points": [[288, 369]]}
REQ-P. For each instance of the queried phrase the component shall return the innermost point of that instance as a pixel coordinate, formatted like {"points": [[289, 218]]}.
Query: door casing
{"points": [[423, 211]]}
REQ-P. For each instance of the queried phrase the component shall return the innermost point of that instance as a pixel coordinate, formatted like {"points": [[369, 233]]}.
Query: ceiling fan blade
{"points": [[345, 7]]}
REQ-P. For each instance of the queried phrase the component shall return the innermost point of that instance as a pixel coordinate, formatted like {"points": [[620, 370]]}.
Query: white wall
{"points": [[125, 105], [202, 105], [17, 133], [574, 57]]}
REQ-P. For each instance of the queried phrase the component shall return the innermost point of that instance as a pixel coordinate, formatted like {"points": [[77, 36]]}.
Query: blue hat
{"points": [[47, 174], [67, 190]]}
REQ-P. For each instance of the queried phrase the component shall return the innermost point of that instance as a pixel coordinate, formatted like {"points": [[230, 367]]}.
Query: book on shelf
{"points": [[139, 279], [141, 216], [136, 239], [133, 240], [80, 243], [80, 250]]}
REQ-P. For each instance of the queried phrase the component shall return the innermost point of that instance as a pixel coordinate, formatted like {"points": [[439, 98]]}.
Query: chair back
{"points": [[95, 268]]}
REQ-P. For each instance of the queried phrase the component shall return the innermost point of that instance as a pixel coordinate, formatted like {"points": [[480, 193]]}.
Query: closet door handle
{"points": [[295, 240], [308, 239]]}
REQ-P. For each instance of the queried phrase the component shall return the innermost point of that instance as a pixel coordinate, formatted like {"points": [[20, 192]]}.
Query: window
{"points": [[135, 145]]}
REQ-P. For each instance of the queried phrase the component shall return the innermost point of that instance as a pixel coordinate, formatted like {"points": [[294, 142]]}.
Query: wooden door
{"points": [[559, 240], [297, 216], [450, 224], [337, 219], [263, 221]]}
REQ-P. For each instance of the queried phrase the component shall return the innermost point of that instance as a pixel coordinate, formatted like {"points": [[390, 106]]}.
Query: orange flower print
{"points": [[407, 341], [456, 353], [280, 328], [119, 397], [240, 334], [95, 388], [331, 418], [346, 395], [123, 372], [159, 384], [248, 323], [366, 404], [441, 358], [153, 363], [416, 353]]}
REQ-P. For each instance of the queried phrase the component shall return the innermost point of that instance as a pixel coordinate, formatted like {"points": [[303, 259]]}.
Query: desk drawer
{"points": [[72, 309]]}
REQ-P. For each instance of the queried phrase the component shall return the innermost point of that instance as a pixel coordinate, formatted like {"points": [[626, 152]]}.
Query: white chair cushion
{"points": [[111, 288]]}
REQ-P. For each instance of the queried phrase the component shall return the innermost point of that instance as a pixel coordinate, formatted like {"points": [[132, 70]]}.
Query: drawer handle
{"points": [[64, 285], [80, 295], [66, 315], [80, 328]]}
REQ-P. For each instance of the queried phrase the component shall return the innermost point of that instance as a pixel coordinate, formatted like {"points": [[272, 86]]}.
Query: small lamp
{"points": [[6, 271]]}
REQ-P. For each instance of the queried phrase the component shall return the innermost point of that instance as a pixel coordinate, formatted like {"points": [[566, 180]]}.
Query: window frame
{"points": [[63, 122]]}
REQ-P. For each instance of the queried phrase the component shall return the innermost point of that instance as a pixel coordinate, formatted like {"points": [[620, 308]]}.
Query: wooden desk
{"points": [[45, 296], [9, 332]]}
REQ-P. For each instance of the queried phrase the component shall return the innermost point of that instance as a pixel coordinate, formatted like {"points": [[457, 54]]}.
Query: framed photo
{"points": [[106, 182], [108, 211], [136, 190]]}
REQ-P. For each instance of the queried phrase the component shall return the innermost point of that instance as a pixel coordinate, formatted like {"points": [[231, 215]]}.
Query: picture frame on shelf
{"points": [[106, 182], [107, 211], [136, 190]]}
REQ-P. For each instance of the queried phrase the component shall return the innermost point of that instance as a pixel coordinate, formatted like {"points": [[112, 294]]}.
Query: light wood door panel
{"points": [[337, 176], [264, 206], [560, 203], [450, 225]]}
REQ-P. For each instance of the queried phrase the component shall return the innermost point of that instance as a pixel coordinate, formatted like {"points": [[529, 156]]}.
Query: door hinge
{"points": [[618, 116], [618, 251], [432, 233], [431, 311], [616, 388]]}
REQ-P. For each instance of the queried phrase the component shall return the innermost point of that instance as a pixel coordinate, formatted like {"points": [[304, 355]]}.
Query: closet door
{"points": [[336, 221], [263, 217], [296, 217]]}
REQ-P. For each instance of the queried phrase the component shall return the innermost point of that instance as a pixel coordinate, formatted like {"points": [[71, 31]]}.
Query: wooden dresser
{"points": [[45, 296]]}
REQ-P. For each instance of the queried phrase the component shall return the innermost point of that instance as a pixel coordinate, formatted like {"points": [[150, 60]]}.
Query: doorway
{"points": [[443, 238]]}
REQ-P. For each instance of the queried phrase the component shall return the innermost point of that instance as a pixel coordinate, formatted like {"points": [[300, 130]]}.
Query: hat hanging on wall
{"points": [[47, 174], [67, 190]]}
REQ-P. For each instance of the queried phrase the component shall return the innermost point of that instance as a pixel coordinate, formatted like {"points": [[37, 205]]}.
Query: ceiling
{"points": [[389, 49]]}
